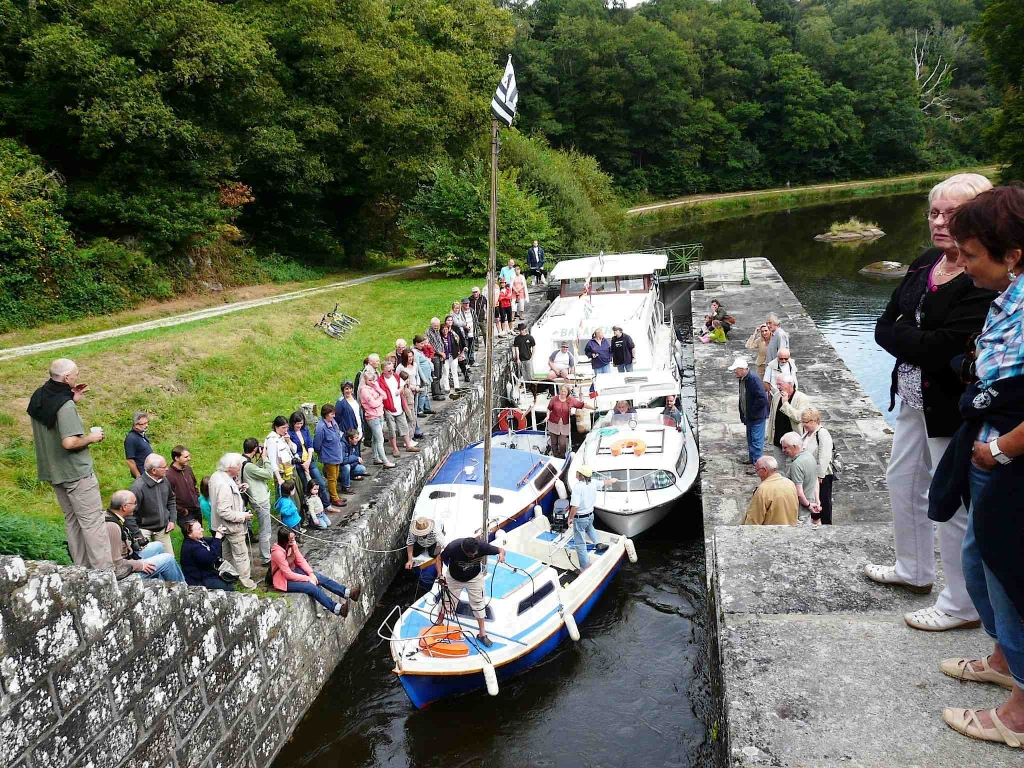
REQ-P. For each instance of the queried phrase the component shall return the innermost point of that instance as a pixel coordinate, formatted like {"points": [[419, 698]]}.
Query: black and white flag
{"points": [[503, 105]]}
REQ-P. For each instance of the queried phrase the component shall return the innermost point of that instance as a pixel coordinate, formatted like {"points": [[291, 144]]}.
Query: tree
{"points": [[1000, 29]]}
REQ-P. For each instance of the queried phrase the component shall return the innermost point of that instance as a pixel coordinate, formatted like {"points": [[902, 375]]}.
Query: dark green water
{"points": [[635, 690], [824, 277]]}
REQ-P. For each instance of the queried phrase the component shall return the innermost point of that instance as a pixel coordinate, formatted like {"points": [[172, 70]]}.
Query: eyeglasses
{"points": [[934, 215]]}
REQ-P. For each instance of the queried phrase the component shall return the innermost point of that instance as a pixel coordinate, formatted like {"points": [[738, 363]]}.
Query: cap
{"points": [[739, 362], [466, 300], [616, 328], [476, 289], [585, 471], [421, 526], [521, 326], [564, 343]]}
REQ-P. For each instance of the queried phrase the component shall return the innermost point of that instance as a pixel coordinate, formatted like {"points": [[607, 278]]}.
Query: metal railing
{"points": [[683, 258]]}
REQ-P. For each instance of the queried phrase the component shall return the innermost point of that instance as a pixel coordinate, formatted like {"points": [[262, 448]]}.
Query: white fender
{"points": [[537, 511], [500, 537], [491, 678], [560, 488], [567, 617], [630, 550]]}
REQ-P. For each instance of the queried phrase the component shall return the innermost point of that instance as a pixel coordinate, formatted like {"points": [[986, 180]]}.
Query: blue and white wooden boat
{"points": [[524, 483], [536, 599]]}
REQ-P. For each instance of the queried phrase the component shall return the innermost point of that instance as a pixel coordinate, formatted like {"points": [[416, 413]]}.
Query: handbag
{"points": [[836, 466], [226, 570]]}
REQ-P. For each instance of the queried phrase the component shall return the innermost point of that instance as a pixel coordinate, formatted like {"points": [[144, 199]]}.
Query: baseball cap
{"points": [[585, 471], [739, 362]]}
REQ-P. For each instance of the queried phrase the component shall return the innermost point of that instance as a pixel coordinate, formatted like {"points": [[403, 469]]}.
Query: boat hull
{"points": [[425, 689], [635, 522]]}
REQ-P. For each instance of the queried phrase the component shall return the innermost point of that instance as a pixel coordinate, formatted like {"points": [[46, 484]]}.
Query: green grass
{"points": [[208, 385], [852, 225]]}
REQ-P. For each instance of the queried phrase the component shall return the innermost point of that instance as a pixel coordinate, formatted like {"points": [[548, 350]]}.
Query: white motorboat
{"points": [[536, 599], [653, 461]]}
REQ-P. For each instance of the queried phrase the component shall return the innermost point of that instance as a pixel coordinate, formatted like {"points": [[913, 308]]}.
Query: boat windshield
{"points": [[646, 417], [637, 480]]}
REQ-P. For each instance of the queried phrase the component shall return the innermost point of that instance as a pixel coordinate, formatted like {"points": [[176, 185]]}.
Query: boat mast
{"points": [[489, 331]]}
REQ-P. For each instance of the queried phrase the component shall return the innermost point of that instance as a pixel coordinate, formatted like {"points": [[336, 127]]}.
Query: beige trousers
{"points": [[236, 551], [83, 522]]}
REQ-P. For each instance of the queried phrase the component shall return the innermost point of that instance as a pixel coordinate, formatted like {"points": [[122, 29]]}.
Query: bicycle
{"points": [[335, 324]]}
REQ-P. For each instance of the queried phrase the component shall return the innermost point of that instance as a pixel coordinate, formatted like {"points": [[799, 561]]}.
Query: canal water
{"points": [[636, 688]]}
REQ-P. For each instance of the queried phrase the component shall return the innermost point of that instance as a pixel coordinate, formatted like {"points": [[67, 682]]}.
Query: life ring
{"points": [[443, 640], [517, 416], [633, 444]]}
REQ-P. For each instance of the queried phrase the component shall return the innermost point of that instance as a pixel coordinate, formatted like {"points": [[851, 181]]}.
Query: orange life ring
{"points": [[443, 640], [633, 444], [518, 417]]}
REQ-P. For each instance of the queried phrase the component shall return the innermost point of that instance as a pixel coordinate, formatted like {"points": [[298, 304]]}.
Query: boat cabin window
{"points": [[466, 612], [599, 285], [546, 475], [681, 463], [632, 283], [638, 480], [441, 495], [494, 498], [573, 287], [602, 285], [545, 590]]}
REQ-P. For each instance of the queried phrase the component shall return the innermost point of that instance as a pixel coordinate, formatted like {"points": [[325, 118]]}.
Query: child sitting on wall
{"points": [[315, 508], [285, 506]]}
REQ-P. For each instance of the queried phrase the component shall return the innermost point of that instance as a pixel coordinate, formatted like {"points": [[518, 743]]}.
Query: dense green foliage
{"points": [[686, 96], [1001, 30], [170, 139]]}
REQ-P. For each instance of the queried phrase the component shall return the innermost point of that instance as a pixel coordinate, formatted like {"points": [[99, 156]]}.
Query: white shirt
{"points": [[775, 369], [394, 385], [584, 497]]}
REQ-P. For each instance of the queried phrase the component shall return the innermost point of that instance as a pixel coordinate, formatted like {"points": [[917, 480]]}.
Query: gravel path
{"points": [[189, 317]]}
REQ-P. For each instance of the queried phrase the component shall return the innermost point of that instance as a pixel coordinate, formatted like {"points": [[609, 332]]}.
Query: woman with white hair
{"points": [[930, 317], [229, 516]]}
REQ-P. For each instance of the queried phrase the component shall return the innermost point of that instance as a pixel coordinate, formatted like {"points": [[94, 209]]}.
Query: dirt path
{"points": [[694, 199], [189, 317]]}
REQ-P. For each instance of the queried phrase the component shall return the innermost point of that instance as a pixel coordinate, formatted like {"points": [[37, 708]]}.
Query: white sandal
{"points": [[886, 574], [934, 620]]}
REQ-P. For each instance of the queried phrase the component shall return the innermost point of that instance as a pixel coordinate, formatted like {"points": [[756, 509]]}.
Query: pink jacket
{"points": [[372, 400], [290, 566]]}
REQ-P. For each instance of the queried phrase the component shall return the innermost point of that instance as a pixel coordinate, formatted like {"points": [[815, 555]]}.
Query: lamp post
{"points": [[745, 280]]}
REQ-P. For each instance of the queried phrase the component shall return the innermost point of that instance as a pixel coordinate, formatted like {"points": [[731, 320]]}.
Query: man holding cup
{"points": [[64, 461]]}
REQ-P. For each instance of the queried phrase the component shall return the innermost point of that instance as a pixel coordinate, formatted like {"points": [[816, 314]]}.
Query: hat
{"points": [[585, 471], [564, 343], [739, 362], [521, 327], [421, 526], [476, 289], [466, 300], [616, 328]]}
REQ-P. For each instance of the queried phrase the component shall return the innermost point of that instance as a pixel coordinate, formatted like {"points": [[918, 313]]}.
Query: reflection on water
{"points": [[825, 276], [623, 695]]}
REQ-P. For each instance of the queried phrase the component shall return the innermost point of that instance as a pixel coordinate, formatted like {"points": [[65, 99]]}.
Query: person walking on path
{"points": [[623, 349], [136, 444], [983, 464], [931, 315], [753, 408], [779, 338], [64, 461], [535, 264], [256, 472], [228, 511], [291, 573], [775, 502]]}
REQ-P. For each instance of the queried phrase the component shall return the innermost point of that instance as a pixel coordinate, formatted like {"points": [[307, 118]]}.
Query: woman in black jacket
{"points": [[200, 556], [927, 323]]}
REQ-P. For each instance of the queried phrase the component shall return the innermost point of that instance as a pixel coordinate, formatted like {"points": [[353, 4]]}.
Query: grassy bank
{"points": [[719, 207], [208, 385]]}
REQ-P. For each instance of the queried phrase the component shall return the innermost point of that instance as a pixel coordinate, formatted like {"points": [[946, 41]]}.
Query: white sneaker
{"points": [[886, 574], [934, 620]]}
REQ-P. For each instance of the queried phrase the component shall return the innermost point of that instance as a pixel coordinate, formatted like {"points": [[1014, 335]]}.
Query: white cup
{"points": [[96, 429]]}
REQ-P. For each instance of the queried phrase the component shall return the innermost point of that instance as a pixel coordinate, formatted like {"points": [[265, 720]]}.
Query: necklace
{"points": [[947, 272]]}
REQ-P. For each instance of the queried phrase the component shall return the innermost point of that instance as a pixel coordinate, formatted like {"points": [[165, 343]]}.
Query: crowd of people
{"points": [[955, 326], [299, 474]]}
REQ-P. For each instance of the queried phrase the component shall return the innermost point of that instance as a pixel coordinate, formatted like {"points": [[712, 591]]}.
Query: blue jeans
{"points": [[167, 567], [317, 477], [755, 440], [605, 368], [998, 615], [581, 528], [317, 591], [349, 471], [424, 401], [627, 368], [377, 431]]}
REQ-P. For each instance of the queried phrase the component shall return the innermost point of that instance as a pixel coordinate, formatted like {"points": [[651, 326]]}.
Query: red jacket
{"points": [[290, 566]]}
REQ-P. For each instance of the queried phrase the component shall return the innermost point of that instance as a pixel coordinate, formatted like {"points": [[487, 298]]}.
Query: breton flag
{"points": [[503, 105]]}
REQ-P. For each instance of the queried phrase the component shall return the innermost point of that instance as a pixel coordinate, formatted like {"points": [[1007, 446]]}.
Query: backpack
{"points": [[836, 466]]}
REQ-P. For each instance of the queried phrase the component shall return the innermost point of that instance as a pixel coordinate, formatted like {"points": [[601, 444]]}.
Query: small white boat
{"points": [[653, 462], [536, 599]]}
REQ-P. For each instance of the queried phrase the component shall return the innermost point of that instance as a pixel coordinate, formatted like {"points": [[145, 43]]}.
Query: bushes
{"points": [[27, 537]]}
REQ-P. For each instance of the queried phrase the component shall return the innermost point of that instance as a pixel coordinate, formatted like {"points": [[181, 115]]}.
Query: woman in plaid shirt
{"points": [[990, 236]]}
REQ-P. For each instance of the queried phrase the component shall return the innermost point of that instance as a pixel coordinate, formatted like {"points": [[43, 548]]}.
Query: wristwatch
{"points": [[998, 455]]}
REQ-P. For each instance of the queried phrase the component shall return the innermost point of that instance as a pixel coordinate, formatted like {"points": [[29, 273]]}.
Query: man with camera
{"points": [[255, 475], [130, 552]]}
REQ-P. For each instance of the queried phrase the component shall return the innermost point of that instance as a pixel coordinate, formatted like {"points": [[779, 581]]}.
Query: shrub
{"points": [[29, 537]]}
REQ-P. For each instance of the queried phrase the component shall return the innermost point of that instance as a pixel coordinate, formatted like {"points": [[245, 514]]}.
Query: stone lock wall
{"points": [[96, 673]]}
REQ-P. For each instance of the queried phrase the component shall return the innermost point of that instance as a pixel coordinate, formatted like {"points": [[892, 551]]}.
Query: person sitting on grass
{"points": [[291, 573], [314, 508], [285, 506], [200, 556]]}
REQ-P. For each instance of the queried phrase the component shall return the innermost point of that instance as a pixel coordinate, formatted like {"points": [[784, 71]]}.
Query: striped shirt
{"points": [[1000, 347], [426, 542]]}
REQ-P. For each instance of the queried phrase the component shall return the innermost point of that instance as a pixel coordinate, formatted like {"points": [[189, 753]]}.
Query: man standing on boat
{"points": [[753, 408], [535, 264], [463, 559], [622, 350], [581, 512]]}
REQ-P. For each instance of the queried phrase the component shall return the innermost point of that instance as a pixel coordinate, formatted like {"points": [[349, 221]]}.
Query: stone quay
{"points": [[817, 666]]}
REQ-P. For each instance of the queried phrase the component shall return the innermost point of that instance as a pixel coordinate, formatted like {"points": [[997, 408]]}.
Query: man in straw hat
{"points": [[422, 538]]}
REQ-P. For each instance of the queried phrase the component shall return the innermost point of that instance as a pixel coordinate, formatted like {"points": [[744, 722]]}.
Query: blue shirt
{"points": [[288, 512], [327, 442], [508, 273], [345, 416], [584, 497], [137, 448], [599, 352], [1000, 346]]}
